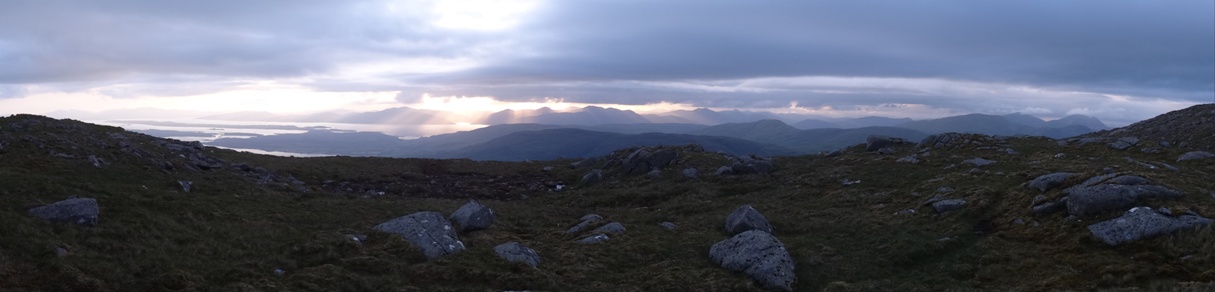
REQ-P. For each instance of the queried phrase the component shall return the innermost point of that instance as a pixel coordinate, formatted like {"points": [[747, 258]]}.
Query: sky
{"points": [[1119, 61]]}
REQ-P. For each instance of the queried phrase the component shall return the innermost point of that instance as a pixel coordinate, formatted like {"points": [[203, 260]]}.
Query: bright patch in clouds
{"points": [[481, 14]]}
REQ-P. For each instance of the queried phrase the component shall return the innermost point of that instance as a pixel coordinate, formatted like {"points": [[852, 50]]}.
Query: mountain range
{"points": [[592, 127]]}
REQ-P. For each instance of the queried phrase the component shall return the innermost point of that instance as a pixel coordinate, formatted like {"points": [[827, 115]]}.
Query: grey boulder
{"points": [[473, 216], [610, 228], [592, 177], [1047, 182], [1193, 155], [517, 253], [593, 239], [947, 205], [429, 231], [979, 162], [586, 221], [877, 142], [759, 255], [80, 211], [746, 218], [1091, 198], [1141, 223]]}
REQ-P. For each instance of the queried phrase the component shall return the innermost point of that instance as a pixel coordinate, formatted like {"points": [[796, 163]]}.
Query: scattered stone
{"points": [[877, 142], [751, 165], [746, 218], [909, 159], [96, 162], [1141, 223], [593, 177], [547, 169], [61, 252], [429, 231], [759, 255], [847, 182], [586, 221], [725, 170], [975, 171], [691, 173], [515, 252], [905, 212], [610, 228], [473, 216], [654, 173], [279, 272], [947, 205], [593, 239], [1010, 151], [979, 162], [79, 211], [185, 185], [668, 225], [1194, 155], [1049, 181], [885, 151], [944, 190]]}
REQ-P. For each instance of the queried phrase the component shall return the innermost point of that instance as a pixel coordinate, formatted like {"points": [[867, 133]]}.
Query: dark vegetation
{"points": [[256, 214]]}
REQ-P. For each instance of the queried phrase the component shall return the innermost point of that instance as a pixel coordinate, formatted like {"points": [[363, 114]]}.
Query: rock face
{"points": [[429, 231], [1193, 155], [473, 216], [1047, 182], [759, 255], [80, 211], [1141, 223], [517, 253], [1111, 192], [746, 218]]}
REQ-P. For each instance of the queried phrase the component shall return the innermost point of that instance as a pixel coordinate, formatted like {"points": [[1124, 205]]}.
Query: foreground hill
{"points": [[929, 217], [574, 143]]}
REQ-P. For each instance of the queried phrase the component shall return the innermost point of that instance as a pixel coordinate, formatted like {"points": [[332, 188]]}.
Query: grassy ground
{"points": [[230, 233]]}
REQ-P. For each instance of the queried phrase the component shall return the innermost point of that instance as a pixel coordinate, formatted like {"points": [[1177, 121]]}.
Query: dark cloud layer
{"points": [[983, 56]]}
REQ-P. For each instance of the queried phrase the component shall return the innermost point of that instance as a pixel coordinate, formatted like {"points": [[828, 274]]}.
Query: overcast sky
{"points": [[1120, 61]]}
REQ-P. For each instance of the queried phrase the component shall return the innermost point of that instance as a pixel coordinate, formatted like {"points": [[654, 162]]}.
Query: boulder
{"points": [[429, 231], [1123, 143], [947, 205], [725, 170], [593, 239], [1104, 197], [80, 211], [654, 173], [610, 228], [517, 253], [1194, 155], [473, 216], [592, 177], [586, 221], [668, 225], [979, 162], [759, 255], [746, 218], [877, 142], [185, 185], [885, 151], [1049, 181], [1141, 223], [691, 173]]}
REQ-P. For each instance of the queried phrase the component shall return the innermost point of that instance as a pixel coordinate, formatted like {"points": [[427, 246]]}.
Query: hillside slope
{"points": [[853, 221]]}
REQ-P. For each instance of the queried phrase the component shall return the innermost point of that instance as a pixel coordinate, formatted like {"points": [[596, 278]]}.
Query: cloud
{"points": [[1115, 59]]}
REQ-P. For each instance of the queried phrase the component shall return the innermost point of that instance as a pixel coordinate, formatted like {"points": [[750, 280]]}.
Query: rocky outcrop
{"points": [[759, 255], [80, 211], [748, 164], [473, 216], [1195, 155], [877, 142], [516, 252], [1123, 143], [1112, 192], [592, 177], [1141, 223], [1050, 181], [429, 231], [746, 218]]}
